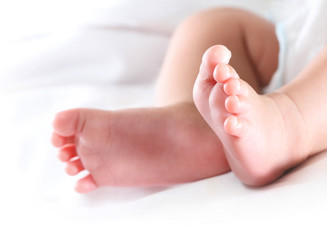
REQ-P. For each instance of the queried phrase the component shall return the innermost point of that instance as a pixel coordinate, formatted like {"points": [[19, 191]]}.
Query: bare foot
{"points": [[137, 147], [260, 133]]}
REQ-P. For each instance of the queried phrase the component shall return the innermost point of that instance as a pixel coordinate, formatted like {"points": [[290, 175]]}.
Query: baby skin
{"points": [[261, 134], [147, 147], [226, 124], [137, 147]]}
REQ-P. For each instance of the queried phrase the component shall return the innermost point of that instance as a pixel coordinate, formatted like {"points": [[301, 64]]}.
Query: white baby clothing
{"points": [[301, 36]]}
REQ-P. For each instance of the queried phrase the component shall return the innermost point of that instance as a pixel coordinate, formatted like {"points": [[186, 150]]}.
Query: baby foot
{"points": [[137, 147], [259, 142]]}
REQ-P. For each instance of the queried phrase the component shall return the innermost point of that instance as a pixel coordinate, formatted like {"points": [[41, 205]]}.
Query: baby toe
{"points": [[232, 87], [68, 123], [224, 72], [59, 141], [74, 167], [236, 86], [236, 104], [235, 126], [67, 152], [85, 185], [221, 73], [216, 54]]}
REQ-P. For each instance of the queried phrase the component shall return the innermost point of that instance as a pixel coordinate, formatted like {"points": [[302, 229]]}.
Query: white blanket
{"points": [[110, 60]]}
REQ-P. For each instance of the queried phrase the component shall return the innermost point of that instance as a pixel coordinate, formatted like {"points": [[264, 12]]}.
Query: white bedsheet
{"points": [[110, 60]]}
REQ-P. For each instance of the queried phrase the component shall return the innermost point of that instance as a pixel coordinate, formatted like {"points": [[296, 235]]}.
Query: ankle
{"points": [[297, 132]]}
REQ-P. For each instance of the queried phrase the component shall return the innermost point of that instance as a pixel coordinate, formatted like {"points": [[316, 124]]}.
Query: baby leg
{"points": [[251, 39], [308, 92]]}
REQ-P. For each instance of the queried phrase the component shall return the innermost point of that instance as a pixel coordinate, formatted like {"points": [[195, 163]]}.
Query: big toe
{"points": [[216, 54], [204, 83], [68, 123]]}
